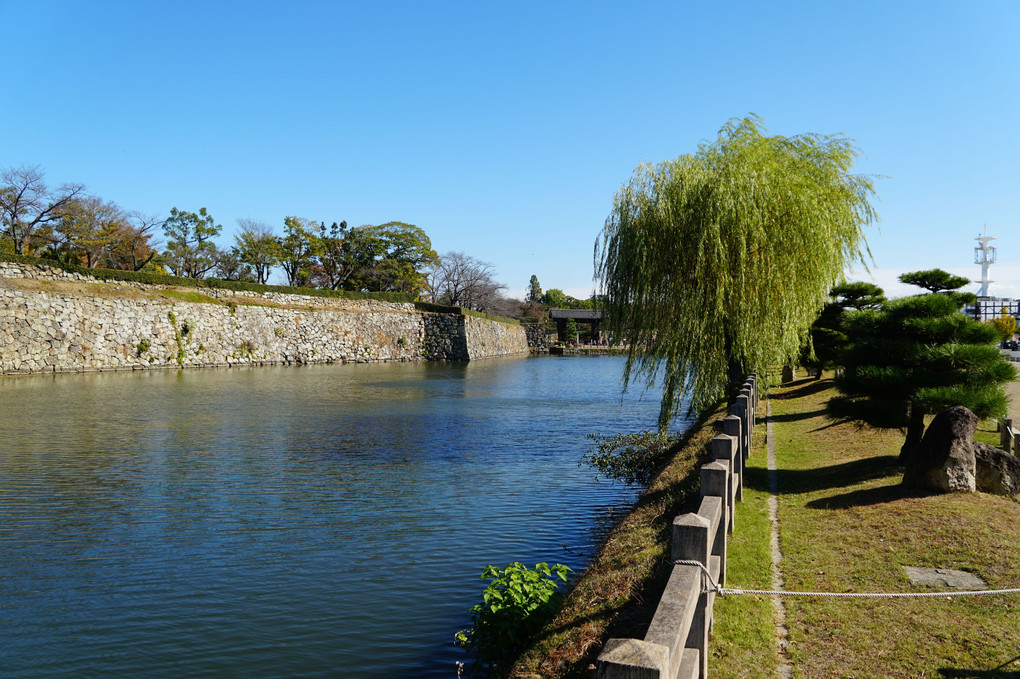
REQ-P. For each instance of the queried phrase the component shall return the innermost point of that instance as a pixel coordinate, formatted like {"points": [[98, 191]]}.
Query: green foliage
{"points": [[515, 606], [238, 286], [534, 290], [297, 250], [401, 253], [143, 346], [557, 299], [934, 280], [715, 264], [828, 340], [1004, 324], [916, 356], [178, 337], [631, 458], [190, 251]]}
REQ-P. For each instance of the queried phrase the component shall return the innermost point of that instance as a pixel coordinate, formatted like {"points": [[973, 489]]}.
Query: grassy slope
{"points": [[617, 595]]}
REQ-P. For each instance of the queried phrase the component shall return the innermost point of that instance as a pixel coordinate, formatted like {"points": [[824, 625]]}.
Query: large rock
{"points": [[945, 459], [997, 471]]}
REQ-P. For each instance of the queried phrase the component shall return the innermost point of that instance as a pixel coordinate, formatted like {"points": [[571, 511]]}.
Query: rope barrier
{"points": [[724, 591]]}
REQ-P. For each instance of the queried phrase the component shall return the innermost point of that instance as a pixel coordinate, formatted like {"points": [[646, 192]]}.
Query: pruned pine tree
{"points": [[715, 264], [917, 356], [828, 340]]}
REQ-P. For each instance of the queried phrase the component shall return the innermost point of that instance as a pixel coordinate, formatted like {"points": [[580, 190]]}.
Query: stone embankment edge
{"points": [[619, 590], [56, 321]]}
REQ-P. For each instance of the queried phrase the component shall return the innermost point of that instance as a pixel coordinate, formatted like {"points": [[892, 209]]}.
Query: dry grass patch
{"points": [[848, 526]]}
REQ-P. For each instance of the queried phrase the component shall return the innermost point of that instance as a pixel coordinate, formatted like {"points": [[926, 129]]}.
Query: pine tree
{"points": [[917, 356], [534, 290]]}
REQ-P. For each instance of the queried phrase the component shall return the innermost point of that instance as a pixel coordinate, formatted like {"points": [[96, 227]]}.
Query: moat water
{"points": [[290, 521]]}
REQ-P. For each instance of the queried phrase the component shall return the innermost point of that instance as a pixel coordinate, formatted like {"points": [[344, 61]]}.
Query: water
{"points": [[294, 521]]}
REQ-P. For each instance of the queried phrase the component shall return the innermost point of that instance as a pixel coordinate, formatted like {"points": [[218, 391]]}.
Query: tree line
{"points": [[68, 225], [717, 264]]}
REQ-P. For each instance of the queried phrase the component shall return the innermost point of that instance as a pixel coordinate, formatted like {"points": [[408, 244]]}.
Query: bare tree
{"points": [[462, 280], [28, 207]]}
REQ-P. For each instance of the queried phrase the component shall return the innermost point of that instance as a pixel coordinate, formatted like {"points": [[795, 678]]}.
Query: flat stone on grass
{"points": [[944, 577]]}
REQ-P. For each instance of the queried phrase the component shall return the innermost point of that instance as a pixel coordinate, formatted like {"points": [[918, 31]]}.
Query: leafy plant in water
{"points": [[515, 606], [631, 458]]}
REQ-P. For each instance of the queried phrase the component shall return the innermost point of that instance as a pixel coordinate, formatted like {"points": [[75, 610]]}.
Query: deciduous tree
{"points": [[190, 251], [715, 264], [257, 247], [405, 254], [297, 250], [28, 208], [461, 280]]}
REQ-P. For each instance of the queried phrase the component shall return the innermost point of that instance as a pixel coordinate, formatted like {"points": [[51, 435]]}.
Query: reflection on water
{"points": [[288, 521]]}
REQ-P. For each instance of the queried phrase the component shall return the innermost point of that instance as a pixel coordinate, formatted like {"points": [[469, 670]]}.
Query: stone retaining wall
{"points": [[54, 321]]}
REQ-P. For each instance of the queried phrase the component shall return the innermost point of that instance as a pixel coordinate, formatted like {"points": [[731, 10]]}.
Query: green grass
{"points": [[743, 642], [848, 526]]}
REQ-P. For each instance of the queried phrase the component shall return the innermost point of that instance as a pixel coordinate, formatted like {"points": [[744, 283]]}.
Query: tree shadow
{"points": [[795, 417], [868, 496], [994, 673], [802, 387], [824, 478]]}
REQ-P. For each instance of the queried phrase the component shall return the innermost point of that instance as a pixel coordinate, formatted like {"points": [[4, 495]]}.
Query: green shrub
{"points": [[515, 606], [631, 458], [210, 283]]}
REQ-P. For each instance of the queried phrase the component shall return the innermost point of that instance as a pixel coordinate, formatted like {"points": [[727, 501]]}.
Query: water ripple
{"points": [[288, 521]]}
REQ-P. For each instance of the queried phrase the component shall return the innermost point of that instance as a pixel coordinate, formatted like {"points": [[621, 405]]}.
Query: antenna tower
{"points": [[985, 255]]}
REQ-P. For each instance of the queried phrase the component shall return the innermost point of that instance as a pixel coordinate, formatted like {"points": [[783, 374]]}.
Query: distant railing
{"points": [[676, 643]]}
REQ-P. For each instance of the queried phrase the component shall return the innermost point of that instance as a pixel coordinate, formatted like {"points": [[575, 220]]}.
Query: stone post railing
{"points": [[1007, 436], [676, 643]]}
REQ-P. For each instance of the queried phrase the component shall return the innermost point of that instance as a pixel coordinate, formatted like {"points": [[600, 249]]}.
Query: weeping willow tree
{"points": [[715, 264]]}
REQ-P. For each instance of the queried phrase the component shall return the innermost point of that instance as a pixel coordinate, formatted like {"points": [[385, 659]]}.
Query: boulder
{"points": [[997, 471], [944, 460]]}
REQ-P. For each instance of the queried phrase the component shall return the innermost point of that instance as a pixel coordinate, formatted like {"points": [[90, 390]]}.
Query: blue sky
{"points": [[504, 129]]}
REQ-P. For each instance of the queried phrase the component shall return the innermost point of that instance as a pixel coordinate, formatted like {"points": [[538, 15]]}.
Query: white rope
{"points": [[722, 591]]}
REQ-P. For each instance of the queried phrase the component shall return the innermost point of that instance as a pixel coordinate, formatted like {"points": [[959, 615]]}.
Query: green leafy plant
{"points": [[143, 346], [515, 606], [631, 458]]}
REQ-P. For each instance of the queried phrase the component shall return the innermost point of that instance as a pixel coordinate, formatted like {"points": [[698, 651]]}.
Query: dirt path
{"points": [[1013, 391]]}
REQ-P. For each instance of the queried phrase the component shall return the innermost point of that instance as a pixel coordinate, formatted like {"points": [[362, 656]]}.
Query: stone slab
{"points": [[944, 577]]}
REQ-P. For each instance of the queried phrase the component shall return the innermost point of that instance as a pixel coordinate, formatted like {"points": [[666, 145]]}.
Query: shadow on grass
{"points": [[802, 387], [868, 496], [794, 417], [994, 673], [824, 478]]}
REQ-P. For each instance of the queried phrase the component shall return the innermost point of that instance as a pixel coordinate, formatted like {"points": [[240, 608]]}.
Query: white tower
{"points": [[984, 255]]}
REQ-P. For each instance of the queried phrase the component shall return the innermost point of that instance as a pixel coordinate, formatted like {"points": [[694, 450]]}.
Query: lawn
{"points": [[846, 525]]}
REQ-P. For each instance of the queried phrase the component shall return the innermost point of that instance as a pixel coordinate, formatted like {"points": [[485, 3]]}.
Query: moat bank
{"points": [[55, 321]]}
